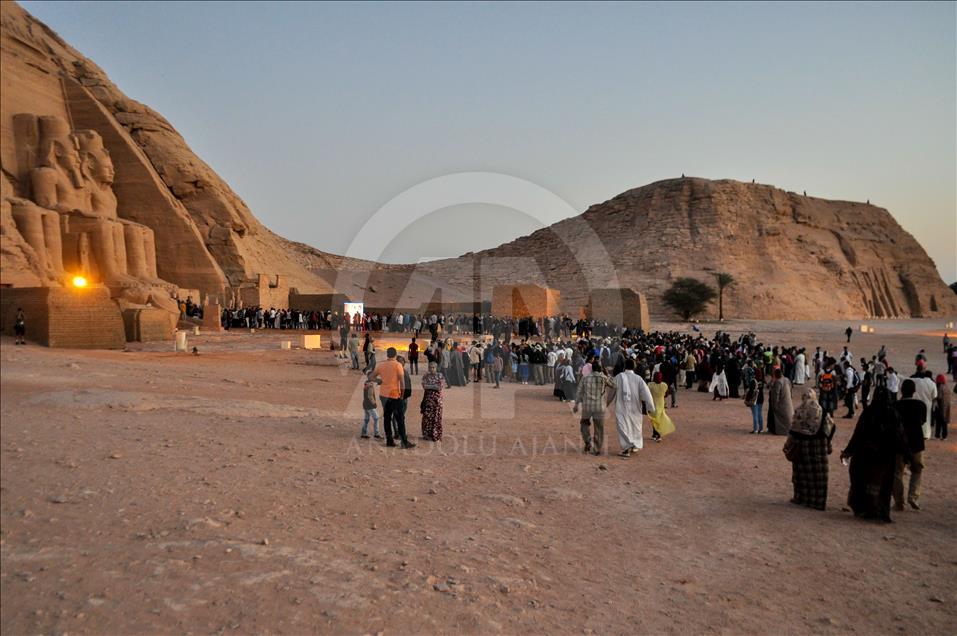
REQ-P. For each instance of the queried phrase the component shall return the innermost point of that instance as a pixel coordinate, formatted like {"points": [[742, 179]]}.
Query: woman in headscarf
{"points": [[941, 408], [565, 385], [560, 362], [810, 444], [431, 408], [660, 422], [445, 362], [877, 440], [457, 369], [780, 408]]}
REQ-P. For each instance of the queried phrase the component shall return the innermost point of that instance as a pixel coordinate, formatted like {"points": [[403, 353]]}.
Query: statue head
{"points": [[95, 158], [59, 148]]}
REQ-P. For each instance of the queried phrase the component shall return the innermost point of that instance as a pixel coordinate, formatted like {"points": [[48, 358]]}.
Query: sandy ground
{"points": [[150, 492]]}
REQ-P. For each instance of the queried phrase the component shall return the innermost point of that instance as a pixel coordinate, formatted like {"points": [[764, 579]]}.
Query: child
{"points": [[369, 408]]}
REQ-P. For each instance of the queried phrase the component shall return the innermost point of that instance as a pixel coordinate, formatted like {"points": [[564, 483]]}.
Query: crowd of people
{"points": [[591, 364], [642, 372], [639, 371], [436, 324]]}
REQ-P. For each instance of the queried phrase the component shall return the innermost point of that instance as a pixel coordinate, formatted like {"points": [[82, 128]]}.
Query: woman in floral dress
{"points": [[432, 382]]}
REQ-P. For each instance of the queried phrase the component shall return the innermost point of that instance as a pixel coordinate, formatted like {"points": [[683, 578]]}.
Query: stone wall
{"points": [[268, 291], [148, 324], [59, 317], [317, 302], [620, 306], [519, 301]]}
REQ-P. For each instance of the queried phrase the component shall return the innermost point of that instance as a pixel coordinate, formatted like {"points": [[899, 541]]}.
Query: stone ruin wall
{"points": [[64, 317], [619, 307], [269, 291], [520, 301]]}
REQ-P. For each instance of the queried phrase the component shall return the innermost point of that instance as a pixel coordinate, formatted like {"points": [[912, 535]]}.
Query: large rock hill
{"points": [[793, 256]]}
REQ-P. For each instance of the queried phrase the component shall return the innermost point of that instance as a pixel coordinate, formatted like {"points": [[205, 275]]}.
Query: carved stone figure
{"points": [[71, 224], [97, 168], [58, 183]]}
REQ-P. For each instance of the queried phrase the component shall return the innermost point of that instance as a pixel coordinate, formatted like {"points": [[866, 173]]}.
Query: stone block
{"points": [[312, 342], [148, 324], [212, 317]]}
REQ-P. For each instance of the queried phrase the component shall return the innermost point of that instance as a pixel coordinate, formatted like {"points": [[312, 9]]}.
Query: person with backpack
{"points": [[852, 383], [827, 381], [489, 362]]}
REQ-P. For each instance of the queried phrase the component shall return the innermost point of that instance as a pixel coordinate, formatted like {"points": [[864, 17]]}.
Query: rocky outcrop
{"points": [[793, 256]]}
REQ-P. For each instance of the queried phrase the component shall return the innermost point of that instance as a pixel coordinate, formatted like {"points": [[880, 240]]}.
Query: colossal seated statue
{"points": [[71, 221], [58, 183]]}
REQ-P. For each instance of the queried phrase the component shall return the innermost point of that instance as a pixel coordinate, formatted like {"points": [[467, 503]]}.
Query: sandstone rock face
{"points": [[206, 237], [793, 257]]}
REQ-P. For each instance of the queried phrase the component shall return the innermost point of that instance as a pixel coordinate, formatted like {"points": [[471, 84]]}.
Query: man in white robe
{"points": [[719, 385], [800, 369], [926, 392], [629, 392]]}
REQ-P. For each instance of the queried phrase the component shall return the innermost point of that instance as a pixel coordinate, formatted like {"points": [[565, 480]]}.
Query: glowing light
{"points": [[79, 281]]}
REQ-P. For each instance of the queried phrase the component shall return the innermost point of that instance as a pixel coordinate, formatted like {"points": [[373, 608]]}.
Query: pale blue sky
{"points": [[318, 114]]}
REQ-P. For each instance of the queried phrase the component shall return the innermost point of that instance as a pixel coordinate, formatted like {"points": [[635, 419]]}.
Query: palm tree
{"points": [[724, 280]]}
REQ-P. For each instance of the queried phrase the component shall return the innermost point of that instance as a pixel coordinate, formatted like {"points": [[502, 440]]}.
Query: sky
{"points": [[320, 116]]}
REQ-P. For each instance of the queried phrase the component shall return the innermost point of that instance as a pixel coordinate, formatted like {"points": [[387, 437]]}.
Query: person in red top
{"points": [[391, 376], [414, 357]]}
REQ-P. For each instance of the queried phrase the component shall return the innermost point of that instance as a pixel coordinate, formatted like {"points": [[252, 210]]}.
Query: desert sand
{"points": [[149, 492]]}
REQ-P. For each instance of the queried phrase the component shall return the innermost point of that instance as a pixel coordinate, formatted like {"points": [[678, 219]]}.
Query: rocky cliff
{"points": [[206, 237], [793, 256]]}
